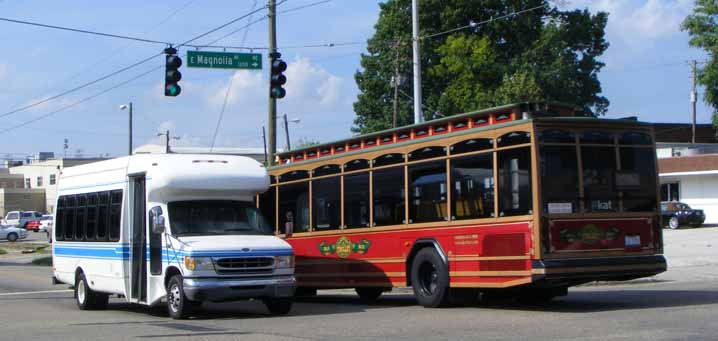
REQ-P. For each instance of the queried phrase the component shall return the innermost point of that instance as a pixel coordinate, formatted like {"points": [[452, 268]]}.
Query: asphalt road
{"points": [[681, 304]]}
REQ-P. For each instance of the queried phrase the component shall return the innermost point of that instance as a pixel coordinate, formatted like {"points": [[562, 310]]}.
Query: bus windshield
{"points": [[193, 218]]}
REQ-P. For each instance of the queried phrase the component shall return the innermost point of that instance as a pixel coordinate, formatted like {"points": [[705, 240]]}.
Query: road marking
{"points": [[33, 292]]}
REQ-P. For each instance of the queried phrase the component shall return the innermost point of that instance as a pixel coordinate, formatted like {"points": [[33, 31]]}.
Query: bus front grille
{"points": [[245, 265]]}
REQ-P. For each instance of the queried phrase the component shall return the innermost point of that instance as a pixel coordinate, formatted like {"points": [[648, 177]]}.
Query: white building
{"points": [[41, 176]]}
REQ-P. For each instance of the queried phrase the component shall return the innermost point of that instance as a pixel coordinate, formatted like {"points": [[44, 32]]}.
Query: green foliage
{"points": [[702, 26], [306, 143], [3, 252], [545, 54], [44, 261]]}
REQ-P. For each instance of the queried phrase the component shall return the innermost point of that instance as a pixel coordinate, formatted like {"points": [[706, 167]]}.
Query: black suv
{"points": [[676, 214]]}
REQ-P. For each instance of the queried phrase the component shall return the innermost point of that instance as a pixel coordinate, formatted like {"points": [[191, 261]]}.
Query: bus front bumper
{"points": [[221, 289], [556, 272]]}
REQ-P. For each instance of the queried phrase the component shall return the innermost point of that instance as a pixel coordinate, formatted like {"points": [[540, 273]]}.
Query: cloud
{"points": [[308, 84], [634, 22]]}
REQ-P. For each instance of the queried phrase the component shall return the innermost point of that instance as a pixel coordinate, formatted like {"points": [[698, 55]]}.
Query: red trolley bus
{"points": [[535, 197]]}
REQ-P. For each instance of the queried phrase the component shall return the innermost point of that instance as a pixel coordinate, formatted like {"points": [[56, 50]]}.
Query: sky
{"points": [[646, 74]]}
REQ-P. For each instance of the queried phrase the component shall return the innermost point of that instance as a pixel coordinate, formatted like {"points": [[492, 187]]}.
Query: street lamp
{"points": [[123, 107], [286, 128], [167, 140]]}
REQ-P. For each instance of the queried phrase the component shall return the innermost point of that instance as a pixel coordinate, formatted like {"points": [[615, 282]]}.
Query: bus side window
{"points": [[115, 215], [69, 224], [102, 208], [514, 170], [294, 207], [60, 219], [91, 227], [80, 214]]}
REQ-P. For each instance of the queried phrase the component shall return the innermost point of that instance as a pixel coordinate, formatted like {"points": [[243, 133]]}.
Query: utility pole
{"points": [[396, 83], [418, 115], [272, 112], [694, 97], [286, 132], [167, 140], [264, 139]]}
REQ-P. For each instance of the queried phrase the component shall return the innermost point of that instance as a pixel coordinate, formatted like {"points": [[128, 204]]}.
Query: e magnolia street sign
{"points": [[224, 60]]}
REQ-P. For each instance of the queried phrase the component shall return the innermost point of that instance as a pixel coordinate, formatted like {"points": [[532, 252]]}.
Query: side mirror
{"points": [[158, 224], [158, 221]]}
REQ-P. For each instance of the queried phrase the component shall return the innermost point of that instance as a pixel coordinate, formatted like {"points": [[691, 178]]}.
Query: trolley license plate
{"points": [[633, 241]]}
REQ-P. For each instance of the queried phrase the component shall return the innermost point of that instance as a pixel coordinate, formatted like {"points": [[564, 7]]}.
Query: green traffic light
{"points": [[172, 90]]}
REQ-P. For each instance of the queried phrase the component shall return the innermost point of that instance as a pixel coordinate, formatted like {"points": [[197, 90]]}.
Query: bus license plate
{"points": [[633, 241]]}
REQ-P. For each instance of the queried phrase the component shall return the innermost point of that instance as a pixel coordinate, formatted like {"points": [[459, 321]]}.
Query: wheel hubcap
{"points": [[81, 291], [428, 278], [174, 297]]}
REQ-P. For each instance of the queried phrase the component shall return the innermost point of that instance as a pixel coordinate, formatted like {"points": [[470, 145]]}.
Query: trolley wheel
{"points": [[430, 279], [369, 294], [86, 298], [178, 305]]}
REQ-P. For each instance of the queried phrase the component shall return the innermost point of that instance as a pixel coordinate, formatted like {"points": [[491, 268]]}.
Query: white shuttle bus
{"points": [[174, 228]]}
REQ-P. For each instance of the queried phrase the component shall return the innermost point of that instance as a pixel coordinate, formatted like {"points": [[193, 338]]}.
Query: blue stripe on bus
{"points": [[124, 253]]}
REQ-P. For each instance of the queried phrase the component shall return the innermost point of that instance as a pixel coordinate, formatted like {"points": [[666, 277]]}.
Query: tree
{"points": [[542, 54], [702, 26]]}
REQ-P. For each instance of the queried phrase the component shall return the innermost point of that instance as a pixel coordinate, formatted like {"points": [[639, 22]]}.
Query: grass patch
{"points": [[44, 261], [3, 252], [25, 246]]}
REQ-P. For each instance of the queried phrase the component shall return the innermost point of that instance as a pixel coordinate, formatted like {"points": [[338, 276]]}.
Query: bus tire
{"points": [[278, 306], [178, 306], [86, 298], [430, 279], [369, 294]]}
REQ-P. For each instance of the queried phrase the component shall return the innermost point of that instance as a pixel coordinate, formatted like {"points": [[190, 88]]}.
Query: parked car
{"points": [[676, 214], [33, 225], [12, 233], [45, 223], [20, 218]]}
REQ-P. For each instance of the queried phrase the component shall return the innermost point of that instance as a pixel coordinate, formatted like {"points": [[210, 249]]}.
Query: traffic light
{"points": [[172, 74], [277, 78]]}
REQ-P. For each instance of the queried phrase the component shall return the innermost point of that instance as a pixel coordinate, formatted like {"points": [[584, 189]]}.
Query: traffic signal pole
{"points": [[272, 112]]}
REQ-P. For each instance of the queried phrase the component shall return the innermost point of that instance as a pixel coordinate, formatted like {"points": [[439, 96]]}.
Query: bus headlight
{"points": [[198, 263], [284, 261]]}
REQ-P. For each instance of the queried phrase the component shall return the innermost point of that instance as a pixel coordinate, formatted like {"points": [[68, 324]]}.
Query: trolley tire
{"points": [[86, 298], [430, 279], [369, 294], [305, 292], [12, 237], [179, 307], [278, 306]]}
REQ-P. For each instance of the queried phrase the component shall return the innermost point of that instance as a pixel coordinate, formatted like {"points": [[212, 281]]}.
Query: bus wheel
{"points": [[86, 298], [278, 306], [430, 279], [369, 295], [178, 306]]}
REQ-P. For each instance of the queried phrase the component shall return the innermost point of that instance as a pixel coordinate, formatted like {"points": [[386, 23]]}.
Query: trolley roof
{"points": [[484, 119]]}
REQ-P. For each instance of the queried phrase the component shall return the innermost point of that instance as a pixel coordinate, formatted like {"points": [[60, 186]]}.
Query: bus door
{"points": [[138, 239]]}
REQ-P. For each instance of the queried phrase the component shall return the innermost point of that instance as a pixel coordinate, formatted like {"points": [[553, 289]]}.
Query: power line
{"points": [[114, 52], [125, 68], [475, 24], [229, 88], [66, 92], [81, 101], [84, 31]]}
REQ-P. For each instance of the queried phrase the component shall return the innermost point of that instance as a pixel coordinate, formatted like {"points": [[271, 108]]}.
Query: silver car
{"points": [[12, 233]]}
